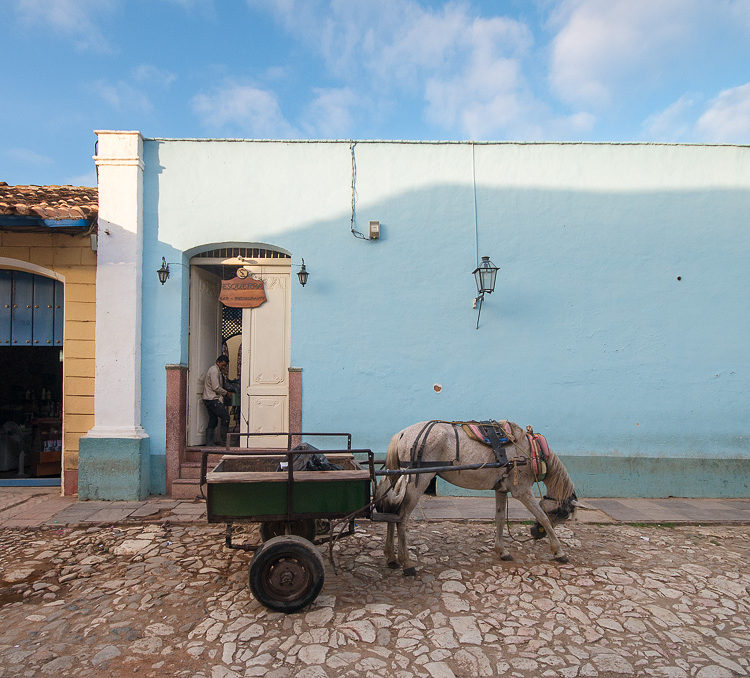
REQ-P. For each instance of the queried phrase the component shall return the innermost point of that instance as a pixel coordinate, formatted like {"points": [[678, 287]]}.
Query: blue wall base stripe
{"points": [[599, 476], [158, 474], [29, 482]]}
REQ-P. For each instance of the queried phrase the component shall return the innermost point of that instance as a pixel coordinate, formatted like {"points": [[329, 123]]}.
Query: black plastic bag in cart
{"points": [[310, 461]]}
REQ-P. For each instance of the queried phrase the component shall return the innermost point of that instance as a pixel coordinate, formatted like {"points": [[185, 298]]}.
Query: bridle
{"points": [[564, 507]]}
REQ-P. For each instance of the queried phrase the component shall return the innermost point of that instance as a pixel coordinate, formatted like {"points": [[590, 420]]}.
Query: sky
{"points": [[518, 70]]}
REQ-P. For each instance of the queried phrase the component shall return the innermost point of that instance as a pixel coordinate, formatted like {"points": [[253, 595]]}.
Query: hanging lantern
{"points": [[485, 275], [302, 274], [163, 272]]}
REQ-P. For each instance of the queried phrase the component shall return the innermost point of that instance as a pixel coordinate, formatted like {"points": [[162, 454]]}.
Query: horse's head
{"points": [[557, 510]]}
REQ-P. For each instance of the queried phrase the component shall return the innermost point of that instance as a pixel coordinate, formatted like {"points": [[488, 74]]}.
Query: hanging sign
{"points": [[246, 292]]}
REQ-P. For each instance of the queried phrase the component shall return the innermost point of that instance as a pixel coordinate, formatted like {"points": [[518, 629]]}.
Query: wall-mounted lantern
{"points": [[484, 275], [303, 274], [163, 272]]}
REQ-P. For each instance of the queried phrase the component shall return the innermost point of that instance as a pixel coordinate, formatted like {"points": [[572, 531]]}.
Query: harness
{"points": [[492, 433], [417, 448], [539, 453]]}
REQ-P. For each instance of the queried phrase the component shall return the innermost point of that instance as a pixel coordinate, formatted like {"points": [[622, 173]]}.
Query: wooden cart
{"points": [[296, 510]]}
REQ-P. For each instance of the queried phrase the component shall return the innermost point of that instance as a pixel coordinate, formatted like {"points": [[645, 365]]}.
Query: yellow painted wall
{"points": [[72, 258]]}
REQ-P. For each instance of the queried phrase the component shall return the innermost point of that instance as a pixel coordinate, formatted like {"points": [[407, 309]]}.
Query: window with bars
{"points": [[231, 322], [244, 252]]}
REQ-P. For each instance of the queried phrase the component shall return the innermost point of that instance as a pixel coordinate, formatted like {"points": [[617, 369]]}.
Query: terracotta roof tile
{"points": [[49, 202]]}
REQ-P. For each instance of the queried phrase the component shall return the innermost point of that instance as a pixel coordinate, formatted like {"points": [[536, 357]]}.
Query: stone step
{"points": [[192, 470], [194, 454], [186, 488]]}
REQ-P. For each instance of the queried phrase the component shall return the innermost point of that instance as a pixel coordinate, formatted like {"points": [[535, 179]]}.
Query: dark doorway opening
{"points": [[31, 390]]}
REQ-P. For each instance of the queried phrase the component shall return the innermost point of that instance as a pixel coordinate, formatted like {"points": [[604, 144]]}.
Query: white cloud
{"points": [[727, 119], [600, 43], [86, 179], [483, 89], [28, 157], [75, 19], [246, 108], [466, 68], [329, 115], [674, 123], [724, 119], [122, 96], [191, 5], [479, 73], [153, 75], [130, 96]]}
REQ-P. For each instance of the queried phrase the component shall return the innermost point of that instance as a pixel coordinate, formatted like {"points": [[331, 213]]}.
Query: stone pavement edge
{"points": [[39, 506]]}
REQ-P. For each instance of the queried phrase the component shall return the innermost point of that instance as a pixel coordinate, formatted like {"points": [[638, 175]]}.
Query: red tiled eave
{"points": [[49, 202]]}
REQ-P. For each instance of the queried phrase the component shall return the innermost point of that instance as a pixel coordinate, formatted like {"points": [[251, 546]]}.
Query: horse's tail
{"points": [[389, 494], [391, 456]]}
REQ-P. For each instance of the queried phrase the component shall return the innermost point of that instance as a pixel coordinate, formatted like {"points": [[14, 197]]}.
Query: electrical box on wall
{"points": [[374, 230]]}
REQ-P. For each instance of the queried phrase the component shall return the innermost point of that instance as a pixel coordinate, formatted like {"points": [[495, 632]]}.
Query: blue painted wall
{"points": [[619, 322]]}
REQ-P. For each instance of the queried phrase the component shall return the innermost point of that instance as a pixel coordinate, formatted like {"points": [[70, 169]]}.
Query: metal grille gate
{"points": [[31, 310]]}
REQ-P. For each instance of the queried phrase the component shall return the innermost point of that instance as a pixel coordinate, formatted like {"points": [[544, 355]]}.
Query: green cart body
{"points": [[248, 488]]}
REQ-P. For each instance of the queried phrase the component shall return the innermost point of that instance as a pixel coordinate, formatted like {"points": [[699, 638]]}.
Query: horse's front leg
{"points": [[501, 503], [527, 499], [390, 553]]}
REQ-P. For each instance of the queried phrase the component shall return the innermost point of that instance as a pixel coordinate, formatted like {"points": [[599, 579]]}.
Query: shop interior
{"points": [[30, 412]]}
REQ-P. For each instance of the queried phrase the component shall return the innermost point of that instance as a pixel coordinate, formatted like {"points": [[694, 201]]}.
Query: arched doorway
{"points": [[256, 341], [31, 377]]}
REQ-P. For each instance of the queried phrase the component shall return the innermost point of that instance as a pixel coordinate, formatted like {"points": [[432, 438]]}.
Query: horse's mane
{"points": [[558, 482]]}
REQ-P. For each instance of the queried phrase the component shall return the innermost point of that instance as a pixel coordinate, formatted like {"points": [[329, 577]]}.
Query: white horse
{"points": [[445, 443]]}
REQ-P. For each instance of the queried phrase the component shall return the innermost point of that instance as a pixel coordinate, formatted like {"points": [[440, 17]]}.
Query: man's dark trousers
{"points": [[216, 412]]}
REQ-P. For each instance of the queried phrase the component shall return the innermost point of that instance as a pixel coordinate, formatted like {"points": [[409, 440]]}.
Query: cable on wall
{"points": [[476, 218], [354, 231]]}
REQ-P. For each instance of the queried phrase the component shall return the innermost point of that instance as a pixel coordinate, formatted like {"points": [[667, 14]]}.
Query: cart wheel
{"points": [[286, 573], [277, 528]]}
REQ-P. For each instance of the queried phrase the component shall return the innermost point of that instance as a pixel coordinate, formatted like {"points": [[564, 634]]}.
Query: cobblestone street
{"points": [[160, 600]]}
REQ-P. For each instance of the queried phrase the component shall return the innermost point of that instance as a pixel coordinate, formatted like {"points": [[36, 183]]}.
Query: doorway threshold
{"points": [[29, 482]]}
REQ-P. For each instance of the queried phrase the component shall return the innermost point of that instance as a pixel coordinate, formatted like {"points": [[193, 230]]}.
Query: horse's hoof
{"points": [[506, 556], [410, 572], [393, 565], [562, 559]]}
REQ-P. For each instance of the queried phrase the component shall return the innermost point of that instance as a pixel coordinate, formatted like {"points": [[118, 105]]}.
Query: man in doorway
{"points": [[213, 398]]}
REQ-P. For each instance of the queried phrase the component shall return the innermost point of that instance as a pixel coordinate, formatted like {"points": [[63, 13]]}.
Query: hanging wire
{"points": [[479, 300], [476, 219], [354, 231]]}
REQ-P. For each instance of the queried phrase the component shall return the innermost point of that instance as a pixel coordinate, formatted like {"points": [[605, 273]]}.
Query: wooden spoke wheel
{"points": [[277, 528], [286, 573]]}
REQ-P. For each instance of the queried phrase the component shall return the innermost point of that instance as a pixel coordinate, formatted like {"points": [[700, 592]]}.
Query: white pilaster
{"points": [[117, 407]]}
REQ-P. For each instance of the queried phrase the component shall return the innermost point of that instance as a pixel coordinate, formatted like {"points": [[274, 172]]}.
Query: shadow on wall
{"points": [[613, 328]]}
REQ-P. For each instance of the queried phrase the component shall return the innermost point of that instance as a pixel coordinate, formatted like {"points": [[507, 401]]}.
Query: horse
{"points": [[436, 443]]}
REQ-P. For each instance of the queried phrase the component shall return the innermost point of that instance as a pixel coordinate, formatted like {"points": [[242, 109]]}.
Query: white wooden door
{"points": [[204, 345], [265, 359]]}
